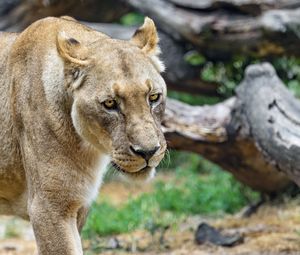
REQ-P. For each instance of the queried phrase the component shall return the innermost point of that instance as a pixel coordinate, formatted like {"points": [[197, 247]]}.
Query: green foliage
{"points": [[132, 19], [194, 58], [189, 191], [288, 69], [229, 74]]}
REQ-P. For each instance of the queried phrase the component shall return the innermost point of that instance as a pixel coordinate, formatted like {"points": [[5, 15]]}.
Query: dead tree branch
{"points": [[224, 32], [255, 135]]}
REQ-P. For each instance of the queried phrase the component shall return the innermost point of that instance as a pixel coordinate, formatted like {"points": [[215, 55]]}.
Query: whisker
{"points": [[166, 160]]}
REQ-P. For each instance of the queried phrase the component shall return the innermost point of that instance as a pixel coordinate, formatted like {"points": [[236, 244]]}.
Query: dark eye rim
{"points": [[115, 107], [156, 100]]}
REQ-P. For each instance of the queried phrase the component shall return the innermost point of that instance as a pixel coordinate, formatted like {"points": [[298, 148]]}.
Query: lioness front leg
{"points": [[56, 232]]}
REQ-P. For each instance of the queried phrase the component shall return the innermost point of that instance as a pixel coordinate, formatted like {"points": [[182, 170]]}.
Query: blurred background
{"points": [[214, 172]]}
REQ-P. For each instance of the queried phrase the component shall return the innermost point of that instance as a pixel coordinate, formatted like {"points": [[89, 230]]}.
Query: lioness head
{"points": [[118, 97]]}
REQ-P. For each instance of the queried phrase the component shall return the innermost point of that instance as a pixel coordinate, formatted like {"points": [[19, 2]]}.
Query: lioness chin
{"points": [[71, 100]]}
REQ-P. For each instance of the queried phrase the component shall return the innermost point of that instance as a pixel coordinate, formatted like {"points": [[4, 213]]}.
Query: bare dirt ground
{"points": [[274, 230]]}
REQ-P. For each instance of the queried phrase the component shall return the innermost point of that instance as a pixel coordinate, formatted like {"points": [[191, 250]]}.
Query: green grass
{"points": [[12, 230], [144, 211], [193, 99], [209, 191]]}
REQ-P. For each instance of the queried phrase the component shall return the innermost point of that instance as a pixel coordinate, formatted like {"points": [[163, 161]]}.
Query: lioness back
{"points": [[6, 41], [11, 171]]}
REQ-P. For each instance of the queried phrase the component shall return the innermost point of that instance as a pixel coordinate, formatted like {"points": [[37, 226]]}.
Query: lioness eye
{"points": [[110, 104], [154, 98]]}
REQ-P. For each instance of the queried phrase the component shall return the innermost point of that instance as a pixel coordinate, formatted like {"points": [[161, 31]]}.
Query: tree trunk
{"points": [[254, 135], [273, 115]]}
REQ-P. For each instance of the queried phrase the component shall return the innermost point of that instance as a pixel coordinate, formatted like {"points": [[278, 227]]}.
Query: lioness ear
{"points": [[71, 50], [146, 38], [75, 56]]}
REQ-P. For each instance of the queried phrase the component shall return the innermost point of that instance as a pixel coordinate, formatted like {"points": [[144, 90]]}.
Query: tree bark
{"points": [[252, 7], [273, 114], [254, 135], [225, 32]]}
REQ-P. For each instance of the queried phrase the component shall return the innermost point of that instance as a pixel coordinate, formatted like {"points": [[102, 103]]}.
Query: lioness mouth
{"points": [[142, 171]]}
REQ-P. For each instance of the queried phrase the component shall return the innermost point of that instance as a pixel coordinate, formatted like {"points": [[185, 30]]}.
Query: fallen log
{"points": [[254, 135], [252, 7], [273, 116], [223, 33]]}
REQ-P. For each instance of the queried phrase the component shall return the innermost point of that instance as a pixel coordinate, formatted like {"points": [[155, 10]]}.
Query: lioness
{"points": [[71, 100]]}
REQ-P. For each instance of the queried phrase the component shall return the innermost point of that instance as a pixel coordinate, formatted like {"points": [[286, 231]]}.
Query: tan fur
{"points": [[56, 135]]}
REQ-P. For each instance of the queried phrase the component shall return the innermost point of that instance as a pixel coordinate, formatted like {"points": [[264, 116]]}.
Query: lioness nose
{"points": [[146, 154]]}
